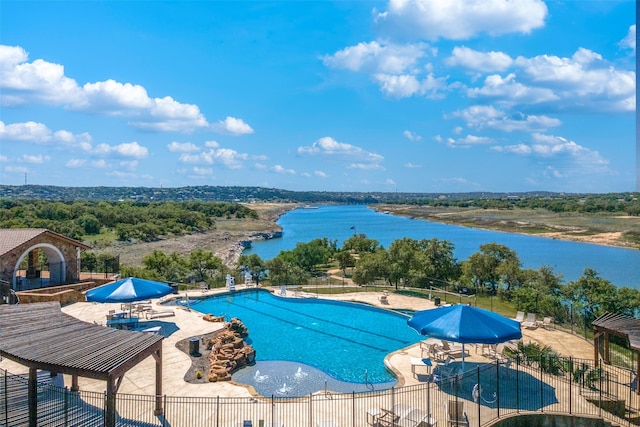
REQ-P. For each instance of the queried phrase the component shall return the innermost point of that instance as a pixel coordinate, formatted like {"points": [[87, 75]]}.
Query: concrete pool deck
{"points": [[187, 324]]}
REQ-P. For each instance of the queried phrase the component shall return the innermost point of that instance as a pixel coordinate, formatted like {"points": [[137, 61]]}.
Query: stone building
{"points": [[36, 258]]}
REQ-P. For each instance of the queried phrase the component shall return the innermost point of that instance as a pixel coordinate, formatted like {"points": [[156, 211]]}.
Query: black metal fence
{"points": [[486, 392]]}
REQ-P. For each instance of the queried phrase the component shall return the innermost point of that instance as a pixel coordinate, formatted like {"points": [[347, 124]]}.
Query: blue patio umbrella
{"points": [[128, 290], [465, 324]]}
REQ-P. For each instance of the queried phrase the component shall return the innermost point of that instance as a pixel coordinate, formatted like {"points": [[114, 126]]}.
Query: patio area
{"points": [[413, 390]]}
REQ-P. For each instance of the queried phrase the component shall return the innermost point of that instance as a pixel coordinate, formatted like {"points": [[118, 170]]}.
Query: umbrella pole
{"points": [[463, 357]]}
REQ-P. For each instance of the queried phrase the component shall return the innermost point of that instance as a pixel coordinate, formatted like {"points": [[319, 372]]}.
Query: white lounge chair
{"points": [[153, 313], [519, 317], [530, 322], [547, 322], [415, 418], [391, 416]]}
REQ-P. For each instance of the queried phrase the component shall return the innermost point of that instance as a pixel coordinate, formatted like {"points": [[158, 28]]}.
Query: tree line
{"points": [[495, 271], [145, 221]]}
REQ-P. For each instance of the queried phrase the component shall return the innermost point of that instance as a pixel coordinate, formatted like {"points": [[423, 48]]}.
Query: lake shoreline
{"points": [[507, 225]]}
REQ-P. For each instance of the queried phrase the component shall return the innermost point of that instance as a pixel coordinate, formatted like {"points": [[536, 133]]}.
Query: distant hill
{"points": [[237, 194]]}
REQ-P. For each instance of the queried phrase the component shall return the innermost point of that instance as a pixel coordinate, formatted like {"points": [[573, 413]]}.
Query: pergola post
{"points": [[638, 373], [74, 382], [110, 404], [157, 355], [33, 397], [596, 351]]}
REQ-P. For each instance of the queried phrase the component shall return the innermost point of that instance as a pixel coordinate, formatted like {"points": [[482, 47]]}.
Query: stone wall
{"points": [[66, 294]]}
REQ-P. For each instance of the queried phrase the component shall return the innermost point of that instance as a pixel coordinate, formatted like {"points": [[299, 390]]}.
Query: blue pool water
{"points": [[301, 343]]}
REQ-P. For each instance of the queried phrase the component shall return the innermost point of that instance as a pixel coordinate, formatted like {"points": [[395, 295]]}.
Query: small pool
{"points": [[304, 344]]}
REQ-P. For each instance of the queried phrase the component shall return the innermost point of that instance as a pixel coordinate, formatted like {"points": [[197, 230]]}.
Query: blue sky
{"points": [[407, 96]]}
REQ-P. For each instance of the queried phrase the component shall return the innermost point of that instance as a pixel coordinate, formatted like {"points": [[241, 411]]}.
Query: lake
{"points": [[618, 265]]}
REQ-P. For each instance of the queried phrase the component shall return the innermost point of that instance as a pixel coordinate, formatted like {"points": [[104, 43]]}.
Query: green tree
{"points": [[403, 258], [283, 271], [204, 265], [89, 224], [493, 263], [436, 261], [593, 296], [360, 244], [345, 260], [88, 261], [255, 265], [370, 267]]}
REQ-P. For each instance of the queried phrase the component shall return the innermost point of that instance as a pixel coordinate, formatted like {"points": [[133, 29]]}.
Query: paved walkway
{"points": [[141, 380]]}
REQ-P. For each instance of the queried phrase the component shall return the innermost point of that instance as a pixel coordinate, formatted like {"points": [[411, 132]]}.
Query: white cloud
{"points": [[575, 156], [485, 62], [377, 57], [16, 169], [487, 116], [509, 89], [468, 141], [222, 156], [320, 174], [75, 163], [630, 40], [39, 133], [406, 85], [202, 171], [412, 165], [365, 166], [129, 164], [3, 158], [232, 126], [411, 136], [27, 131], [582, 81], [182, 147], [211, 144], [34, 159], [42, 82], [281, 170], [461, 19], [389, 181], [329, 147], [100, 164], [126, 149]]}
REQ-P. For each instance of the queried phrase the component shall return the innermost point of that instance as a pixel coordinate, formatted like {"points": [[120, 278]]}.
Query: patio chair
{"points": [[530, 322], [389, 417], [547, 323], [456, 416], [384, 299], [519, 317], [415, 418], [452, 350], [153, 313]]}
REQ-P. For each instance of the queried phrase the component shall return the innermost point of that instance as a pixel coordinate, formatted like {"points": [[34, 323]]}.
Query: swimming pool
{"points": [[301, 343]]}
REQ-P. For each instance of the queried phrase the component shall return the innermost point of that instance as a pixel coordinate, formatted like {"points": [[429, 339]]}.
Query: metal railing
{"points": [[488, 392]]}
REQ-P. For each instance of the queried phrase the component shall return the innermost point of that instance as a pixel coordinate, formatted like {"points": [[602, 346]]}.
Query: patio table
{"points": [[123, 323]]}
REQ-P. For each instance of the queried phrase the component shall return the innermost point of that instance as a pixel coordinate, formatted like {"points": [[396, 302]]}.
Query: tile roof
{"points": [[10, 238]]}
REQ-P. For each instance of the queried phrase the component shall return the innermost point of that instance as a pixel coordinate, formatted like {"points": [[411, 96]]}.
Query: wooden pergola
{"points": [[41, 336], [620, 325]]}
